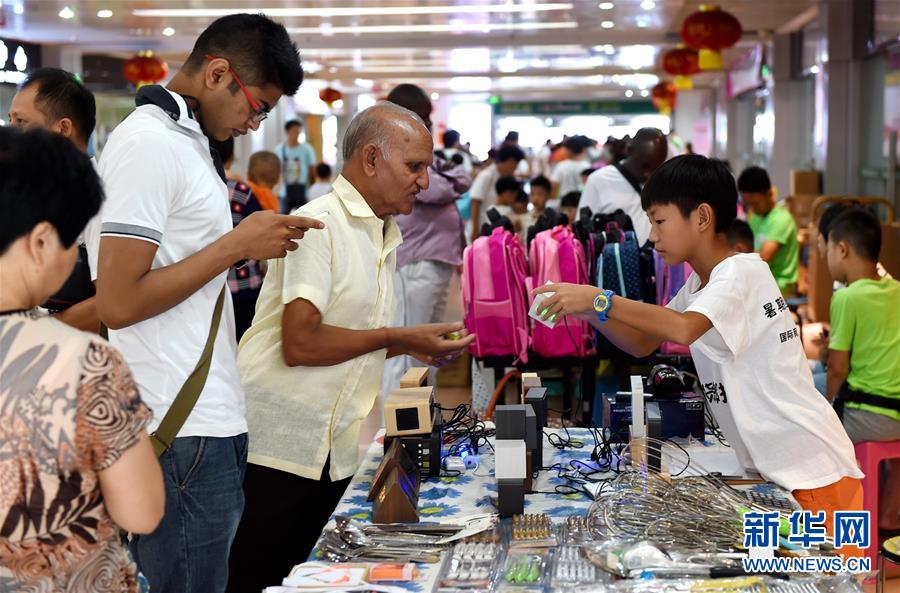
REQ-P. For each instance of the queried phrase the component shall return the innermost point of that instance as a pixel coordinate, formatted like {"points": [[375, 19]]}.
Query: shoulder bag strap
{"points": [[190, 392]]}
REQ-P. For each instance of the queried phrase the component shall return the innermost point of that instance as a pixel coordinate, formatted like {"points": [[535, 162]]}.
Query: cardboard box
{"points": [[806, 182], [456, 374]]}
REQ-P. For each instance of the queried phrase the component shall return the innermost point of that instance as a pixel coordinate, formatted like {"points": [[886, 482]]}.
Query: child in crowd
{"points": [[263, 174], [746, 347], [322, 185], [520, 206], [508, 188], [773, 226], [521, 219], [864, 346], [540, 194], [569, 206], [740, 236], [825, 221]]}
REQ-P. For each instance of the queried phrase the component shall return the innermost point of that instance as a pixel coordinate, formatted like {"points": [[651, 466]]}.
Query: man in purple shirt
{"points": [[433, 240]]}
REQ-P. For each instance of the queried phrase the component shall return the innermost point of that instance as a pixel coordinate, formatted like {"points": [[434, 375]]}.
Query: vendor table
{"points": [[475, 491]]}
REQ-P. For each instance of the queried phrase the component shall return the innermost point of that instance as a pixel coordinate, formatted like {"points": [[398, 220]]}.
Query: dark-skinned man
{"points": [[617, 186]]}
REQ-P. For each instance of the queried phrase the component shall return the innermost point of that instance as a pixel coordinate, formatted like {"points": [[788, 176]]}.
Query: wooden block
{"points": [[408, 411], [529, 380], [414, 377], [510, 498], [510, 460]]}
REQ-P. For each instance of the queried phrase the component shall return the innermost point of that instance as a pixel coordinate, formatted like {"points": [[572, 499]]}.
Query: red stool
{"points": [[869, 455]]}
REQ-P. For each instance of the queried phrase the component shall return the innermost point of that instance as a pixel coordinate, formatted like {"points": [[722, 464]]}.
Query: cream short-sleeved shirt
{"points": [[298, 416]]}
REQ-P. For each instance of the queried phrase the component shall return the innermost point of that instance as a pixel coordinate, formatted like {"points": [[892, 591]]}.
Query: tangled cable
{"points": [[695, 512]]}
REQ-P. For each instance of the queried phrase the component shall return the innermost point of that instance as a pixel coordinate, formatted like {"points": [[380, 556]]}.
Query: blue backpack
{"points": [[619, 264]]}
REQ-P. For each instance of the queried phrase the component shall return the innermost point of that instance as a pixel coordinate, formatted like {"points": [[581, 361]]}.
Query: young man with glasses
{"points": [[161, 260]]}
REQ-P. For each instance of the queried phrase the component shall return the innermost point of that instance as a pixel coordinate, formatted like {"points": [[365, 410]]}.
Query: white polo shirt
{"points": [[298, 416], [162, 187]]}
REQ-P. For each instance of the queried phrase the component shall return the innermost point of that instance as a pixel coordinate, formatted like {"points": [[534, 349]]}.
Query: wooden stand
{"points": [[395, 489]]}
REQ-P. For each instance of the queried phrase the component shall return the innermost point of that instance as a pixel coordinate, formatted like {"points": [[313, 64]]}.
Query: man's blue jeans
{"points": [[188, 552]]}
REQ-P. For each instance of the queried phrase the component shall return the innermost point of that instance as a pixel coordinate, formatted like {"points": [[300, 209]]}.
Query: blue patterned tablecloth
{"points": [[445, 498], [442, 499]]}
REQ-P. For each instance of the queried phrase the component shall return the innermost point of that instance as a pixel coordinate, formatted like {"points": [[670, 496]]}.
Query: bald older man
{"points": [[311, 363]]}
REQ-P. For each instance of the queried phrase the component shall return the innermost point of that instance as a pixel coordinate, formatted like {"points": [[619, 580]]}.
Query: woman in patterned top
{"points": [[76, 465]]}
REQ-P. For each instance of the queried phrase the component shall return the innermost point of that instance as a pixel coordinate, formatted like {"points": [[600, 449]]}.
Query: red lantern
{"points": [[710, 30], [330, 95], [663, 97], [682, 63], [144, 69]]}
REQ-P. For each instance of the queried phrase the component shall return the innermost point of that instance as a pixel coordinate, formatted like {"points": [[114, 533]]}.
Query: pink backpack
{"points": [[669, 280], [494, 296], [557, 256]]}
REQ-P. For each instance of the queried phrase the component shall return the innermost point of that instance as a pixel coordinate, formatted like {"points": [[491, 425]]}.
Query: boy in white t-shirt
{"points": [[745, 344]]}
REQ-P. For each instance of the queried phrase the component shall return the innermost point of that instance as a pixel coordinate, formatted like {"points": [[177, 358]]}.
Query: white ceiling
{"points": [[552, 47]]}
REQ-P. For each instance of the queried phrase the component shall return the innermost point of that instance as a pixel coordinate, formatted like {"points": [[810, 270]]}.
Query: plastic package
{"points": [[532, 531], [524, 572], [576, 530], [470, 567], [570, 568]]}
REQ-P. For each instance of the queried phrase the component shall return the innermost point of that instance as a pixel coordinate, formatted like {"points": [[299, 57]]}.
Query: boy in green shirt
{"points": [[864, 347], [773, 227]]}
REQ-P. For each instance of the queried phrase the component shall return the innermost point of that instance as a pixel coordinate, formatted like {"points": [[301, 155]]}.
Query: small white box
{"points": [[537, 307], [510, 460]]}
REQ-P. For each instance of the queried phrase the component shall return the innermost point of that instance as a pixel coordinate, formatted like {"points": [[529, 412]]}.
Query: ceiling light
{"points": [[168, 31], [19, 9], [629, 93], [443, 28], [66, 13], [642, 23], [607, 6], [648, 4], [435, 96], [645, 93], [607, 24], [506, 8], [104, 14]]}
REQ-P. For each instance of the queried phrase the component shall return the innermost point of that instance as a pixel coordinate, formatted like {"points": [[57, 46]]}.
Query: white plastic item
{"points": [[638, 426], [537, 306]]}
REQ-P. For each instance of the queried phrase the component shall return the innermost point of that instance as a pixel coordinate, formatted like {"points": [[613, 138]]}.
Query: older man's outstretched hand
{"points": [[435, 344]]}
